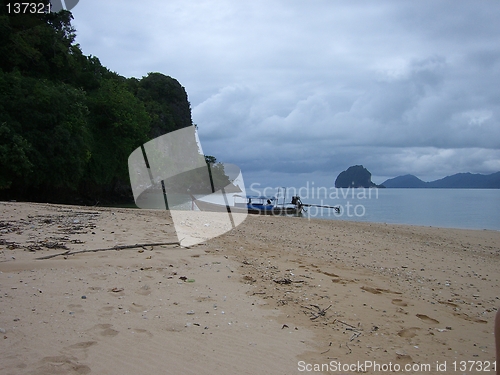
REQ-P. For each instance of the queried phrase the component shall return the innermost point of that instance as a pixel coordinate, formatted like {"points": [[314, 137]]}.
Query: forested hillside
{"points": [[67, 123]]}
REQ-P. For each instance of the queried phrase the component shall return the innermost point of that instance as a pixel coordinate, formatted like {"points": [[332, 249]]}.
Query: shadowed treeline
{"points": [[67, 123]]}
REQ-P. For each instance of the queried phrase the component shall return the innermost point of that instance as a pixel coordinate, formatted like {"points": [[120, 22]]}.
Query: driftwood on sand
{"points": [[123, 247]]}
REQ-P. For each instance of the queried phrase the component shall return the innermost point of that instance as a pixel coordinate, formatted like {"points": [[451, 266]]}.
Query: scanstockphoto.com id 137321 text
{"points": [[339, 367]]}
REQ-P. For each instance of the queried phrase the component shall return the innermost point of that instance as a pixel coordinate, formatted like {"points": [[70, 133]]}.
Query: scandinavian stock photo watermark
{"points": [[58, 5], [207, 199], [171, 173]]}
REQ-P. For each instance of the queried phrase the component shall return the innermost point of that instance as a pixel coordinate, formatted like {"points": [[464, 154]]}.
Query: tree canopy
{"points": [[67, 123]]}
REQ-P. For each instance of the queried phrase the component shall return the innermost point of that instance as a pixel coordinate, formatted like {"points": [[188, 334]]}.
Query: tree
{"points": [[119, 124], [41, 49], [166, 102], [14, 158], [67, 123], [45, 124]]}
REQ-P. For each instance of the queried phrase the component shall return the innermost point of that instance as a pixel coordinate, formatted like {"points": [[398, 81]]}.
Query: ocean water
{"points": [[449, 208]]}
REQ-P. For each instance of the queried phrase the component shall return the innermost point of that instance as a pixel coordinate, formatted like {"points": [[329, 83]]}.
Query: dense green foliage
{"points": [[67, 123]]}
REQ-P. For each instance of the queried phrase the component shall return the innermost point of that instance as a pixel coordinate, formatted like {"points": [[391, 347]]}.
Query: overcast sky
{"points": [[295, 91]]}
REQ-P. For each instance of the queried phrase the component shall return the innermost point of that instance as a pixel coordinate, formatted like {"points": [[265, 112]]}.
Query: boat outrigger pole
{"points": [[296, 200], [284, 196], [336, 208]]}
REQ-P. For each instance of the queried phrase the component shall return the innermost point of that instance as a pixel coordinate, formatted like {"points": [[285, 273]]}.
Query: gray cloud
{"points": [[310, 88]]}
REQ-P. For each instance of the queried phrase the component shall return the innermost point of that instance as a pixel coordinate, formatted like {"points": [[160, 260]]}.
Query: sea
{"points": [[448, 208]]}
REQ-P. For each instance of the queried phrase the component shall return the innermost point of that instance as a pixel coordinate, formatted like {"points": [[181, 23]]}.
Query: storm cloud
{"points": [[300, 90]]}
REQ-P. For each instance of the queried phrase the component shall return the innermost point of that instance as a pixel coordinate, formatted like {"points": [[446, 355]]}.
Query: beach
{"points": [[275, 295]]}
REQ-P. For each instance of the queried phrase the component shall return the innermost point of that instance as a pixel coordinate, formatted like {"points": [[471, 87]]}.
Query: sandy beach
{"points": [[276, 295]]}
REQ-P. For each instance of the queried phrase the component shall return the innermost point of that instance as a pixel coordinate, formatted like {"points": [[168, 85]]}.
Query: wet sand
{"points": [[276, 295]]}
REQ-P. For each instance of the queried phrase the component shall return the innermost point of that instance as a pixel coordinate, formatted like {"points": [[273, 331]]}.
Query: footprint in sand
{"points": [[426, 319], [94, 289], [76, 308], [144, 291], [470, 318], [97, 276], [61, 365], [105, 311], [399, 302], [176, 327], [371, 290], [105, 330], [109, 332], [136, 307], [141, 331], [378, 290], [80, 349], [451, 304], [408, 332], [329, 274], [82, 345]]}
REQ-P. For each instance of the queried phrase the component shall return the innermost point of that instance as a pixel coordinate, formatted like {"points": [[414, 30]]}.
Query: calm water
{"points": [[449, 208], [452, 208]]}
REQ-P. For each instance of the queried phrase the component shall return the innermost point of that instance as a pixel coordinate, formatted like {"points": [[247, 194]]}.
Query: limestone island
{"points": [[356, 176]]}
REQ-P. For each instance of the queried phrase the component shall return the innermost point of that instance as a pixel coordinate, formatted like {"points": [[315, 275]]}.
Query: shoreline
{"points": [[304, 217], [405, 224], [293, 290]]}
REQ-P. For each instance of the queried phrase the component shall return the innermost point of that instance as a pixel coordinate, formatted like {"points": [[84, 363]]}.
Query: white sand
{"points": [[257, 300]]}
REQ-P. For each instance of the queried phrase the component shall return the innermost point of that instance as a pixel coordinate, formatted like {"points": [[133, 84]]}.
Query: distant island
{"points": [[356, 176], [456, 181]]}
